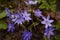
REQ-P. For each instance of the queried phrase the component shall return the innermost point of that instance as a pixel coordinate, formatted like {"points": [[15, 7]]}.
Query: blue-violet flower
{"points": [[47, 22], [49, 31], [18, 18], [26, 35], [38, 13], [11, 27], [26, 16], [9, 13]]}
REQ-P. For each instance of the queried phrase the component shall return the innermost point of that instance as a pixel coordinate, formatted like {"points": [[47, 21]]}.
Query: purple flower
{"points": [[38, 13], [18, 18], [11, 27], [26, 16], [49, 31], [12, 16], [31, 2], [9, 13], [26, 35], [7, 10], [47, 22]]}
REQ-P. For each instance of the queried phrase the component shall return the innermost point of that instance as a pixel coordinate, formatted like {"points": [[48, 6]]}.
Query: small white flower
{"points": [[31, 2]]}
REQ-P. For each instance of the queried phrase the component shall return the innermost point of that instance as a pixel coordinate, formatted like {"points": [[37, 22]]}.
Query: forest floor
{"points": [[17, 34]]}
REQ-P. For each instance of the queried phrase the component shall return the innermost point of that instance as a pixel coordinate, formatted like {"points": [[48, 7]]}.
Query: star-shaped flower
{"points": [[38, 13], [49, 31], [47, 22], [9, 13], [11, 27], [18, 18], [31, 2], [26, 35], [26, 16]]}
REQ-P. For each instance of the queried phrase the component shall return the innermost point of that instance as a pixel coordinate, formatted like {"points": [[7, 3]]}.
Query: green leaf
{"points": [[52, 1], [53, 8], [39, 1], [44, 5], [43, 1], [3, 25], [57, 26], [2, 14], [45, 37], [57, 38]]}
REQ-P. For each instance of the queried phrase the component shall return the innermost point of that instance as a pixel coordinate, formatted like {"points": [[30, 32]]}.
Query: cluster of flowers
{"points": [[48, 26], [20, 17]]}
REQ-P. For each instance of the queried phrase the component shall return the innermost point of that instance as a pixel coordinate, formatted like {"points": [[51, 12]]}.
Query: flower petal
{"points": [[43, 22], [48, 17], [46, 26], [51, 21], [51, 33], [50, 25], [44, 18]]}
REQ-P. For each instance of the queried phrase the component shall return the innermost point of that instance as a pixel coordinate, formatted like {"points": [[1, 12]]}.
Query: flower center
{"points": [[46, 21], [26, 34]]}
